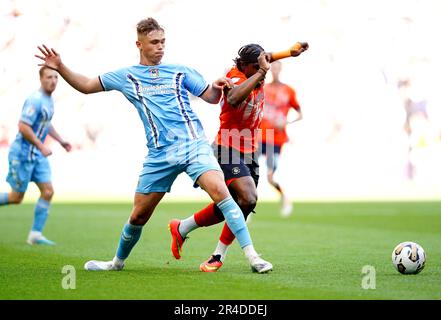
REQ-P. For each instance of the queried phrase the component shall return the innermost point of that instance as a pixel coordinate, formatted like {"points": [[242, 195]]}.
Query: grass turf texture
{"points": [[318, 253]]}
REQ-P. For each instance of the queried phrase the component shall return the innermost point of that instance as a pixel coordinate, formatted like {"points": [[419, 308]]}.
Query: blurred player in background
{"points": [[236, 146], [28, 154], [280, 99], [175, 137], [416, 123]]}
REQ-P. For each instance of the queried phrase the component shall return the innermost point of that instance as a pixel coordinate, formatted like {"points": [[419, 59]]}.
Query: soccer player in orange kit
{"points": [[236, 147]]}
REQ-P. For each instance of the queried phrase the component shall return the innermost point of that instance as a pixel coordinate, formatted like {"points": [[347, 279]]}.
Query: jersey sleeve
{"points": [[31, 109], [194, 82], [113, 80], [293, 100], [236, 76]]}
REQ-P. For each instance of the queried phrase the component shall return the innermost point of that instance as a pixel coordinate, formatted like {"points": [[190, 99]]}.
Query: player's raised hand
{"points": [[50, 57], [298, 48], [294, 51], [263, 60]]}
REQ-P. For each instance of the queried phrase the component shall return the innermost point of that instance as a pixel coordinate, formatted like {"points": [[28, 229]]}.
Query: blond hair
{"points": [[148, 25]]}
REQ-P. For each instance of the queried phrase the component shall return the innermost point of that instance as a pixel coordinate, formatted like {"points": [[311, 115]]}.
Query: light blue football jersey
{"points": [[161, 96], [37, 112]]}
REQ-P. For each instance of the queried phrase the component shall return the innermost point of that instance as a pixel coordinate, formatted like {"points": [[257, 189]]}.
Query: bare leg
{"points": [[12, 197]]}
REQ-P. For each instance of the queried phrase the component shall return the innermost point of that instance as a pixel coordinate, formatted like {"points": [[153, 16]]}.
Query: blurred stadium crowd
{"points": [[367, 87]]}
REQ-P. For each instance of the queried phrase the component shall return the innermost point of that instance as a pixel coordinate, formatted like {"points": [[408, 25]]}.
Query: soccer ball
{"points": [[409, 258]]}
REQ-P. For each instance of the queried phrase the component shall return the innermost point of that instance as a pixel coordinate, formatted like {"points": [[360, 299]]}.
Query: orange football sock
{"points": [[207, 216], [227, 237]]}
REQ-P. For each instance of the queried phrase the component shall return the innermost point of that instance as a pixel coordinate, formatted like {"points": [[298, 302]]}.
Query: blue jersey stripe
{"points": [[178, 81], [146, 110]]}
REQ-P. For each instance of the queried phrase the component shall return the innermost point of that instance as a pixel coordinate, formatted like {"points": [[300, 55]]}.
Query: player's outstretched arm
{"points": [[294, 51], [214, 92], [52, 60]]}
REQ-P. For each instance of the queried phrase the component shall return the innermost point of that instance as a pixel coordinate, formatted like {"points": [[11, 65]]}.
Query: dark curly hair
{"points": [[248, 54]]}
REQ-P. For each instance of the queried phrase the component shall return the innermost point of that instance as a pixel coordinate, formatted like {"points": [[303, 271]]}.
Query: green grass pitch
{"points": [[318, 253]]}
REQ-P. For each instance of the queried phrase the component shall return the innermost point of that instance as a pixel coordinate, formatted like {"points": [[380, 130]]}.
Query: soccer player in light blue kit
{"points": [[175, 137], [28, 155]]}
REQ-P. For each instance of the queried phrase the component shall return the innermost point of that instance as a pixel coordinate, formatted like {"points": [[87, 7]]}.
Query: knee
{"points": [[247, 203], [219, 192], [47, 194], [15, 198], [139, 217]]}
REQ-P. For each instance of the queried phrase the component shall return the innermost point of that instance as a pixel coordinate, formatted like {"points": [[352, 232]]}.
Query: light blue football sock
{"points": [[3, 198], [235, 221], [41, 213], [129, 237]]}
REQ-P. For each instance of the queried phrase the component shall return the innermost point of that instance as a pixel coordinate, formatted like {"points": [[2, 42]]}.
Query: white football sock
{"points": [[221, 249], [117, 261], [35, 234], [250, 252], [187, 226]]}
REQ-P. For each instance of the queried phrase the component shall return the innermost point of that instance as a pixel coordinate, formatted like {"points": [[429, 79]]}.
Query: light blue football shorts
{"points": [[22, 172], [163, 165]]}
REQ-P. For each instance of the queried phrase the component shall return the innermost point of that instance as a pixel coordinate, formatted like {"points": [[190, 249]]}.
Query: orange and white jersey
{"points": [[239, 125]]}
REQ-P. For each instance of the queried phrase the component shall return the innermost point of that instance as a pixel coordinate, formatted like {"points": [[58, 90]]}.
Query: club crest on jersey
{"points": [[154, 72], [236, 170]]}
